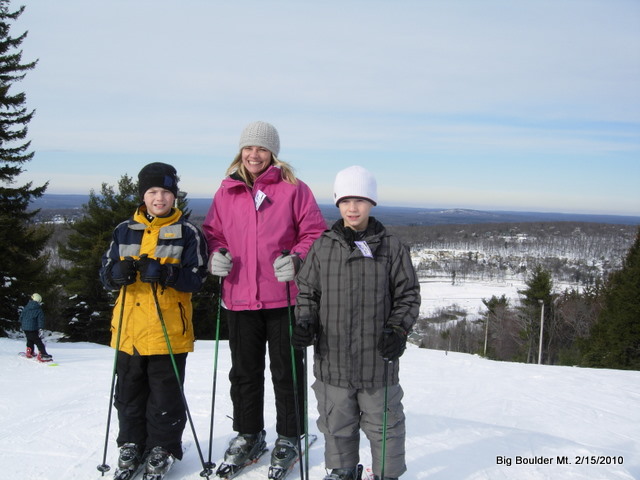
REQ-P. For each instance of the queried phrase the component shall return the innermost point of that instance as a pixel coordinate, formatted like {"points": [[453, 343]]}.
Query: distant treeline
{"points": [[69, 206]]}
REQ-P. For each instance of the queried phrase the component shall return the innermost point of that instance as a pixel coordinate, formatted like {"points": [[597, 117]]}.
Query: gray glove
{"points": [[286, 267], [220, 264]]}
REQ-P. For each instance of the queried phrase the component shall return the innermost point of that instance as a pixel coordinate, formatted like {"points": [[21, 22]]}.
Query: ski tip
{"points": [[366, 473]]}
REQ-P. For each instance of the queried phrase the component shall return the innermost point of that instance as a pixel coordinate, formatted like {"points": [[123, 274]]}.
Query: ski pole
{"points": [[305, 413], [103, 467], [209, 463], [384, 416], [206, 472], [294, 375]]}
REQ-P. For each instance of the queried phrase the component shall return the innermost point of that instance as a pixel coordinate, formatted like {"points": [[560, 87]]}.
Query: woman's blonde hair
{"points": [[286, 170]]}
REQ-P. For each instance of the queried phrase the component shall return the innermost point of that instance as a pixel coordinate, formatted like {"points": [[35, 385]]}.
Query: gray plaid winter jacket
{"points": [[350, 298]]}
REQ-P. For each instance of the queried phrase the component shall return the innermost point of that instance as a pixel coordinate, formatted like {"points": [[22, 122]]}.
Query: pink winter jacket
{"points": [[255, 233]]}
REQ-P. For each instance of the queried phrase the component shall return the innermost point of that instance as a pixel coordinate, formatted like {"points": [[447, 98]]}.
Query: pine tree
{"points": [[500, 329], [22, 270], [538, 293], [614, 340]]}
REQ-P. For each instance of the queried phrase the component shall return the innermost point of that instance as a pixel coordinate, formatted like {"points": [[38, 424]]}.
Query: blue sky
{"points": [[492, 104]]}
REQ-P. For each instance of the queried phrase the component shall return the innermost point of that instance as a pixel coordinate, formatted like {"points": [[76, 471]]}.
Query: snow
{"points": [[437, 295], [467, 417]]}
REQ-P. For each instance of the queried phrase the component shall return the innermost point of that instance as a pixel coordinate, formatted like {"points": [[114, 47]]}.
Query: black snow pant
{"points": [[151, 411], [33, 338], [249, 333]]}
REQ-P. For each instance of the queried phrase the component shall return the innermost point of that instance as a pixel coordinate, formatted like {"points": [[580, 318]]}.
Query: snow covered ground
{"points": [[439, 294], [467, 417]]}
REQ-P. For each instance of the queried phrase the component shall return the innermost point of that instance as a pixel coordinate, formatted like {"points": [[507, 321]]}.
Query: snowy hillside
{"points": [[467, 418]]}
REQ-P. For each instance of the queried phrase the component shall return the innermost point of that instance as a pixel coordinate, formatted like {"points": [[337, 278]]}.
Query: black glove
{"points": [[151, 271], [392, 343], [123, 272], [302, 336]]}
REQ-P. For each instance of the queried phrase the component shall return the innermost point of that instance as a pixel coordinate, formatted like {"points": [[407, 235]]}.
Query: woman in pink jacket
{"points": [[261, 210]]}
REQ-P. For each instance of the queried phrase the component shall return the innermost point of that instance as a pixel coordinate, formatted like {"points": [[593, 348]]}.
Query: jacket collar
{"points": [[271, 175], [375, 231], [158, 222]]}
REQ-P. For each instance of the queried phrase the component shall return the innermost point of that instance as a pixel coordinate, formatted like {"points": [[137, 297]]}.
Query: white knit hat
{"points": [[36, 297], [261, 134], [357, 182]]}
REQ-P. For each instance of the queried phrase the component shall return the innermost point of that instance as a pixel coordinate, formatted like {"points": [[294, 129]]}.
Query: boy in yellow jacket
{"points": [[157, 259]]}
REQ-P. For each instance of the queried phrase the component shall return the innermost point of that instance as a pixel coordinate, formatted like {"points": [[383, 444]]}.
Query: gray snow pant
{"points": [[343, 411]]}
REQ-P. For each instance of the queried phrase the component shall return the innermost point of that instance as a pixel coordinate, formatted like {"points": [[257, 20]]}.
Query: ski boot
{"points": [[345, 473], [129, 461], [29, 353], [243, 450], [44, 357], [158, 464], [284, 456]]}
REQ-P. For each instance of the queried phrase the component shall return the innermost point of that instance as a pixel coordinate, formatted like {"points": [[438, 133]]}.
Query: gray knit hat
{"points": [[261, 134], [355, 182]]}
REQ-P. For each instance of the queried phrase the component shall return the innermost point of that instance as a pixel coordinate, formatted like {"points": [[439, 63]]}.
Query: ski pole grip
{"points": [[223, 251], [142, 257]]}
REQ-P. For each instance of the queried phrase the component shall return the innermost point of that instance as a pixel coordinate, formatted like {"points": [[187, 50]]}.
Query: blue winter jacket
{"points": [[172, 241], [32, 316]]}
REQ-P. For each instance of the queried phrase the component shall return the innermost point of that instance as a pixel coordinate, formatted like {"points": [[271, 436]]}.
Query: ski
{"points": [[367, 474], [154, 476], [48, 363], [128, 474], [279, 473], [359, 476], [228, 471]]}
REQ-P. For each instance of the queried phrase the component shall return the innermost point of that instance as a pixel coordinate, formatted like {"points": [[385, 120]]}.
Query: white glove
{"points": [[220, 264], [286, 267], [40, 332]]}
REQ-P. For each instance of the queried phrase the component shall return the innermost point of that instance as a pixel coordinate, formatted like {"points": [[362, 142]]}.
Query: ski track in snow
{"points": [[463, 412]]}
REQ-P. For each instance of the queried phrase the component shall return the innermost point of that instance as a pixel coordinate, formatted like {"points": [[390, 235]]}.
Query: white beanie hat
{"points": [[357, 182], [36, 297], [261, 134]]}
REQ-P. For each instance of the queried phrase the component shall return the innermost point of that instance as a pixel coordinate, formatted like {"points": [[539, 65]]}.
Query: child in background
{"points": [[359, 297], [32, 322]]}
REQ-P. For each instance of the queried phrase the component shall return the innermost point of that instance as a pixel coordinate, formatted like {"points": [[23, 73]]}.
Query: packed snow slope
{"points": [[467, 417]]}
